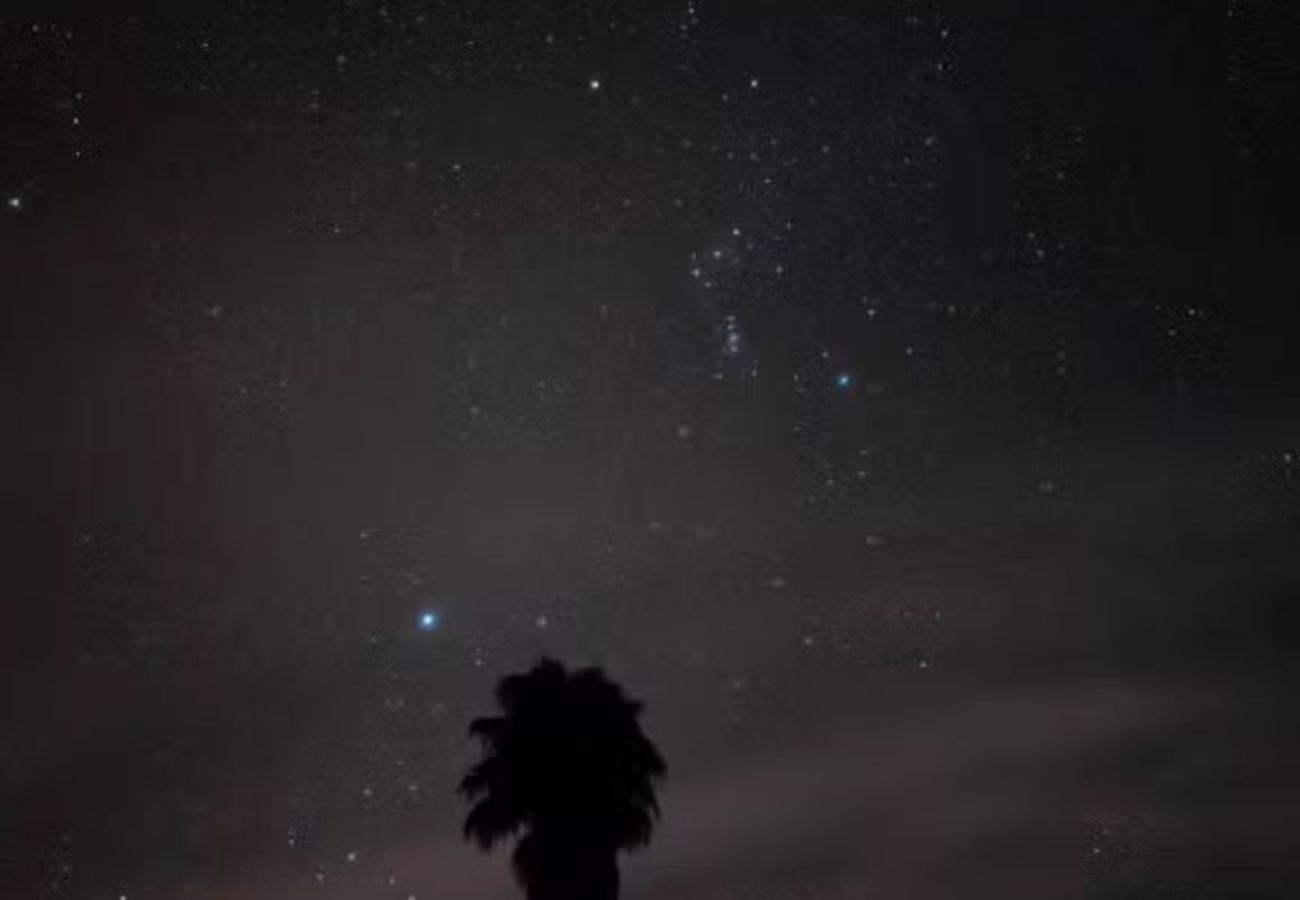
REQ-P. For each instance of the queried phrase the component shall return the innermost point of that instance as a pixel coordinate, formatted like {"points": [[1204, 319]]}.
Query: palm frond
{"points": [[492, 819]]}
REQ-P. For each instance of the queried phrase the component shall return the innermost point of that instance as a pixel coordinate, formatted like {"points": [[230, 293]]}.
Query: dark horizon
{"points": [[900, 398]]}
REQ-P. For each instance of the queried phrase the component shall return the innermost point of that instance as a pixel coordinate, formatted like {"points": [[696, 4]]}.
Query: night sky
{"points": [[900, 397]]}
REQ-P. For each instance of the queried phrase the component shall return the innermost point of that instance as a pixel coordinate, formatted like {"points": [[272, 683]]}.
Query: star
{"points": [[843, 381], [15, 203], [429, 621], [594, 84]]}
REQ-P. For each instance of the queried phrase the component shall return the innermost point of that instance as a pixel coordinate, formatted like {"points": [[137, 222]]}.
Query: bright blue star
{"points": [[428, 621], [843, 381]]}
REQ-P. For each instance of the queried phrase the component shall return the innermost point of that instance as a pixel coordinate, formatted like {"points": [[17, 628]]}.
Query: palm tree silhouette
{"points": [[566, 764]]}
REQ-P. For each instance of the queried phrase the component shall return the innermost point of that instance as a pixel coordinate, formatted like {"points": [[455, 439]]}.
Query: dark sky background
{"points": [[900, 397]]}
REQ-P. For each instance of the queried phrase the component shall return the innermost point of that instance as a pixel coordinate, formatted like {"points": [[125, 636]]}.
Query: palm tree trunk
{"points": [[560, 869]]}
